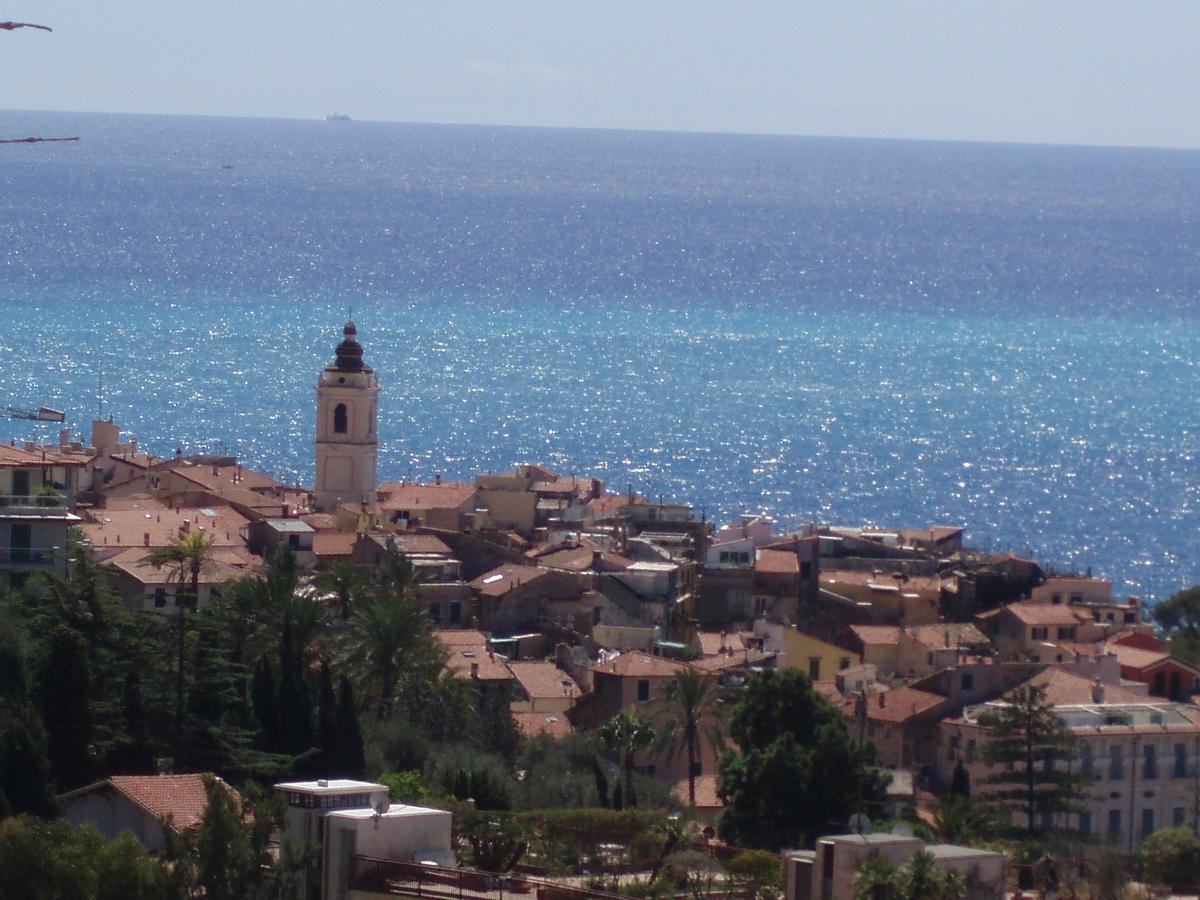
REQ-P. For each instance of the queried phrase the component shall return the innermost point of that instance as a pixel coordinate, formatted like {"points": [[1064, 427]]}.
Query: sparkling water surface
{"points": [[846, 331]]}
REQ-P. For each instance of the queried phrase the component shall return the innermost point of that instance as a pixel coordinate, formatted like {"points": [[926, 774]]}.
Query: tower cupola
{"points": [[350, 352]]}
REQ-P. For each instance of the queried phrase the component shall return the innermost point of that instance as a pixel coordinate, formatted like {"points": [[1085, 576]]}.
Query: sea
{"points": [[844, 331]]}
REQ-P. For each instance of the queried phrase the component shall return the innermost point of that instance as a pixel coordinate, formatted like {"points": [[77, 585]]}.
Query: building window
{"points": [[1116, 770], [971, 750], [1181, 766], [968, 681], [160, 597], [760, 606], [1077, 598], [1085, 761], [805, 570], [1114, 823], [1150, 762], [1066, 634], [1056, 599], [1038, 634], [435, 613], [294, 541], [929, 659], [1177, 816], [455, 613], [844, 663], [814, 669], [339, 419], [1147, 823], [643, 689], [1085, 823]]}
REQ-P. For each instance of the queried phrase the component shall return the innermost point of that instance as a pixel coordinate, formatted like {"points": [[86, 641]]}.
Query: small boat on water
{"points": [[337, 117]]}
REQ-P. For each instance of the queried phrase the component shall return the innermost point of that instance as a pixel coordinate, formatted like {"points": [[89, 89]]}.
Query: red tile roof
{"points": [[637, 664], [777, 562], [17, 457], [543, 680], [533, 724], [938, 637], [127, 524], [405, 496], [887, 635], [732, 660], [1065, 688], [221, 478], [1048, 614], [178, 798], [460, 637], [487, 665], [334, 543], [500, 581], [714, 642], [896, 706], [1135, 657]]}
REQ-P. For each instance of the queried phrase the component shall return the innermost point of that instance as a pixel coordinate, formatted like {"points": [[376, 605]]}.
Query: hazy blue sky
{"points": [[1051, 70]]}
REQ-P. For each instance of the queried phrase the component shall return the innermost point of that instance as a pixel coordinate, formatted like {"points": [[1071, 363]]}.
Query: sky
{"points": [[1050, 71]]}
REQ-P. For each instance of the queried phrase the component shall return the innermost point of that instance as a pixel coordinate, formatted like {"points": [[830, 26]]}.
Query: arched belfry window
{"points": [[339, 418]]}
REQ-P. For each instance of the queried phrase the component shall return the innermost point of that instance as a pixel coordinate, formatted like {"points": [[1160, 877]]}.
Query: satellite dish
{"points": [[902, 829], [860, 824], [381, 806]]}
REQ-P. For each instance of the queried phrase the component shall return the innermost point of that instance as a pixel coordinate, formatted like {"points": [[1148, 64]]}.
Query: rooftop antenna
{"points": [[100, 396]]}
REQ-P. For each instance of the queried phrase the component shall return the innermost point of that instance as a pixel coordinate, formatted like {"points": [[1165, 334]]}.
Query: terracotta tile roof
{"points": [[137, 460], [706, 792], [500, 581], [179, 798], [610, 505], [577, 559], [1137, 658], [460, 637], [222, 478], [732, 660], [423, 544], [133, 563], [334, 543], [895, 706], [1048, 614], [712, 642], [884, 581], [533, 724], [127, 524], [637, 664], [543, 680], [446, 495], [886, 635], [1067, 688], [463, 658], [777, 562], [321, 521], [18, 457], [950, 634]]}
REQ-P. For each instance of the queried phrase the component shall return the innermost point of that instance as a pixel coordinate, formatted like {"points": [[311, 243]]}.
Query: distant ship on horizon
{"points": [[337, 117]]}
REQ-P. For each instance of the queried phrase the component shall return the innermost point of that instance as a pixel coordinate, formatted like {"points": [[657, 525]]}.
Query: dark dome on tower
{"points": [[350, 352]]}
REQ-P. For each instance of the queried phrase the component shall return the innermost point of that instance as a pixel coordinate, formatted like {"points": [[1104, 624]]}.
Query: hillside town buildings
{"points": [[579, 603]]}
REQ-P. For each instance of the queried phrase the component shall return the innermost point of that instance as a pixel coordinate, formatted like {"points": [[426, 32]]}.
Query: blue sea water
{"points": [[847, 331]]}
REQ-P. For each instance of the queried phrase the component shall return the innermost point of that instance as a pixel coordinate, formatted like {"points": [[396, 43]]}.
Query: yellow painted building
{"points": [[818, 659]]}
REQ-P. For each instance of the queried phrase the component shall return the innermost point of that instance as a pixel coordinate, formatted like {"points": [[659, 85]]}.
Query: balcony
{"points": [[34, 501]]}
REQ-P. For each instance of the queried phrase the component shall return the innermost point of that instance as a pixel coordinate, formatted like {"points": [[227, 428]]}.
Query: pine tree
{"points": [[1034, 749], [25, 773]]}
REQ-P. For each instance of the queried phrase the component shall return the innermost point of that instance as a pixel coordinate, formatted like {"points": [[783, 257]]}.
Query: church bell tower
{"points": [[347, 438]]}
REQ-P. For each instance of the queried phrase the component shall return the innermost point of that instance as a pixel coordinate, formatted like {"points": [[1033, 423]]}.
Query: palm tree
{"points": [[957, 821], [692, 717], [188, 553], [627, 735], [384, 637], [345, 580]]}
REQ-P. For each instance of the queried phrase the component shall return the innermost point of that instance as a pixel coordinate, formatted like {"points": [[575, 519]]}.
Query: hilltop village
{"points": [[575, 616]]}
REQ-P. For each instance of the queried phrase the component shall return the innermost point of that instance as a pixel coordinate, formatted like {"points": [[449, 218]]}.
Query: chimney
{"points": [[64, 438], [133, 445], [437, 478], [215, 471], [475, 671], [883, 700], [146, 539], [1097, 691]]}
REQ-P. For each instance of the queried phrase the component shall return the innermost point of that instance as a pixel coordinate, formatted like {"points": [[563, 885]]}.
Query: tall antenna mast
{"points": [[100, 396]]}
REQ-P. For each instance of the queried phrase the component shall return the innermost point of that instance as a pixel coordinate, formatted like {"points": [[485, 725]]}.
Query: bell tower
{"points": [[347, 439]]}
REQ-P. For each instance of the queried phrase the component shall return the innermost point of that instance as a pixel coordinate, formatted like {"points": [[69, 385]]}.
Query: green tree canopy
{"points": [[1034, 750], [798, 773]]}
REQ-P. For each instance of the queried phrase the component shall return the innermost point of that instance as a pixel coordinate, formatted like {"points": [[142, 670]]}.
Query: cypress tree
{"points": [[351, 758], [265, 702], [960, 782], [295, 707], [25, 774], [327, 736], [65, 685]]}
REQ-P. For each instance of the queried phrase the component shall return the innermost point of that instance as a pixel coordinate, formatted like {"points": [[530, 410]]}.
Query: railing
{"points": [[29, 556], [409, 879], [50, 501]]}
